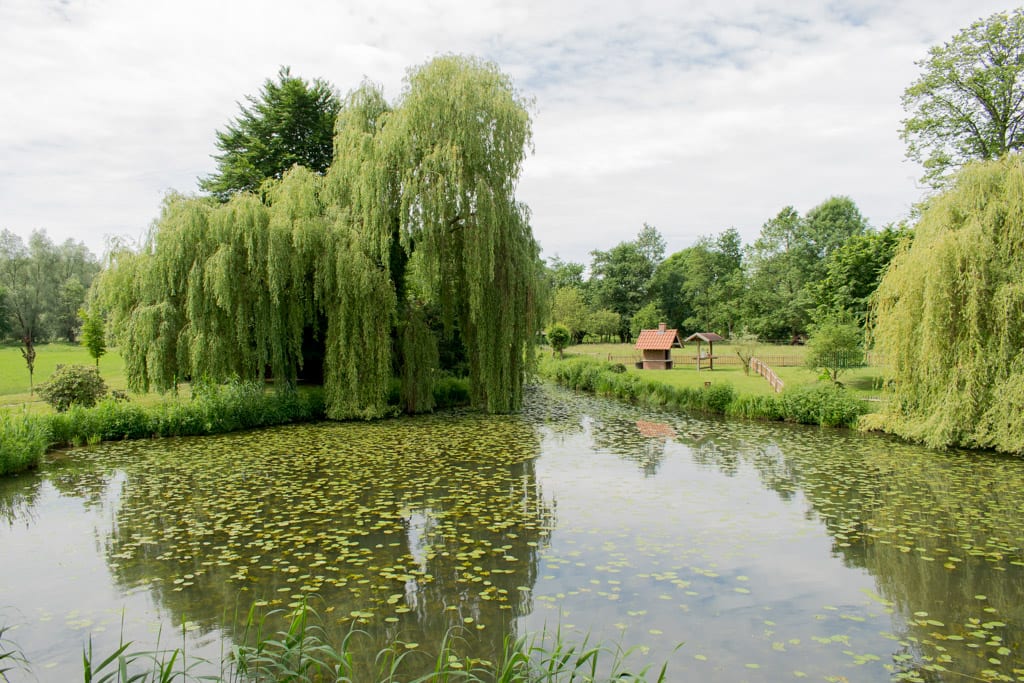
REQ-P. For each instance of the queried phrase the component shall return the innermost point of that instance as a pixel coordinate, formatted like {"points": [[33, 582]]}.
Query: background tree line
{"points": [[801, 271], [43, 286]]}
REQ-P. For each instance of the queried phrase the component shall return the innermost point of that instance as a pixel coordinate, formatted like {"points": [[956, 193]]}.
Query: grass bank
{"points": [[821, 404], [26, 435]]}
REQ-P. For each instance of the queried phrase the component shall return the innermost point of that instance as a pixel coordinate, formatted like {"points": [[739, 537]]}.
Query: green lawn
{"points": [[14, 374], [787, 361]]}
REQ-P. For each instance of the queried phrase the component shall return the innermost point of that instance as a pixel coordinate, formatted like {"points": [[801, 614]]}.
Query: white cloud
{"points": [[685, 115]]}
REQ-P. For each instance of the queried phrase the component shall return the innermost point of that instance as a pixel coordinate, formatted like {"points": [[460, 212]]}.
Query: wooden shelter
{"points": [[710, 338], [656, 346]]}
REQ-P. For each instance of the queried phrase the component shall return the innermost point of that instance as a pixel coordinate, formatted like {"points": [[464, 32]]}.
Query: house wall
{"points": [[657, 359]]}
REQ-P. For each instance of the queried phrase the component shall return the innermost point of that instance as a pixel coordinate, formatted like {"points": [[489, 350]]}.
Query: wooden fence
{"points": [[761, 368], [682, 358], [870, 359]]}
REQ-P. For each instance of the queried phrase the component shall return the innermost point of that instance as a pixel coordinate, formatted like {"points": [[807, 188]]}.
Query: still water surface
{"points": [[735, 551]]}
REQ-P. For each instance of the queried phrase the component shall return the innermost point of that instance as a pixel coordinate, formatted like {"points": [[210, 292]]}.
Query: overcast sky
{"points": [[691, 116]]}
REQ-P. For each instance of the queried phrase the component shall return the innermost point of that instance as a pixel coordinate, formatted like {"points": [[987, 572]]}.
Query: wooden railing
{"points": [[761, 368], [681, 357]]}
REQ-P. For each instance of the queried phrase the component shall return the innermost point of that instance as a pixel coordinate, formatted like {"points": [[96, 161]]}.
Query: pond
{"points": [[734, 551]]}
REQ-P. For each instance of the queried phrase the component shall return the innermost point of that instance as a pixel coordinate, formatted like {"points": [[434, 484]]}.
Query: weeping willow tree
{"points": [[416, 218], [950, 316]]}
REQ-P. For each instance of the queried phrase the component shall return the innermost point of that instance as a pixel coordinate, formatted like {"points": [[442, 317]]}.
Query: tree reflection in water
{"points": [[407, 530]]}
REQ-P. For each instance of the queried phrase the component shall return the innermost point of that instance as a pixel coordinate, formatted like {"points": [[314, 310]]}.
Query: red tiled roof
{"points": [[658, 340]]}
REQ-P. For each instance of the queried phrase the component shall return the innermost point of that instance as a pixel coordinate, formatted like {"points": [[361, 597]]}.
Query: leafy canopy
{"points": [[788, 258], [620, 278], [853, 272], [290, 122], [416, 218], [698, 288], [950, 316], [968, 102], [45, 284], [94, 336], [835, 345], [558, 337]]}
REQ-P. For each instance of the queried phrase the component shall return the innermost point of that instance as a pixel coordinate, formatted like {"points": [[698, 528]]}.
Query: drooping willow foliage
{"points": [[950, 316], [417, 215]]}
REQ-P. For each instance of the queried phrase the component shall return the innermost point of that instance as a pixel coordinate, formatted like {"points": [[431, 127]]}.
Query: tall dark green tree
{"points": [[788, 258], [853, 272], [564, 273], [620, 278], [5, 324], [968, 102], [779, 264], [290, 122], [28, 272], [70, 296], [828, 226], [700, 287], [45, 283]]}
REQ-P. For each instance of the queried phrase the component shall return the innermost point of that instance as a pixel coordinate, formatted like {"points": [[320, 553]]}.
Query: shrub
{"points": [[73, 385], [23, 440], [755, 407], [559, 337], [822, 404], [450, 392], [215, 410], [716, 398]]}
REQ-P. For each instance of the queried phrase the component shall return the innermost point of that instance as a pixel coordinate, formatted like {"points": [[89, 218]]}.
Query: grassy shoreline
{"points": [[819, 404]]}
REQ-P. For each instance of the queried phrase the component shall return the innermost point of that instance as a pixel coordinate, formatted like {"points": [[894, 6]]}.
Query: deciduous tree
{"points": [[417, 213], [835, 345], [647, 318], [569, 308], [968, 102], [620, 278], [853, 271], [950, 316], [94, 336]]}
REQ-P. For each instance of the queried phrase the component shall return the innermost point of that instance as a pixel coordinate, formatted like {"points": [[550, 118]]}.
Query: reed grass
{"points": [[11, 658], [302, 653], [24, 439]]}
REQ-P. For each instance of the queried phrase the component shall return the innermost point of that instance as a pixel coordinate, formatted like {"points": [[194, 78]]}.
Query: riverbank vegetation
{"points": [[210, 409], [305, 653], [824, 404]]}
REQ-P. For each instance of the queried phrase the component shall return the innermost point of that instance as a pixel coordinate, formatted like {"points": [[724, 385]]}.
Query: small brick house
{"points": [[656, 347]]}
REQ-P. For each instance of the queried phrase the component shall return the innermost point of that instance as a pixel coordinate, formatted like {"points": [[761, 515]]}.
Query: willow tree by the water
{"points": [[950, 316], [416, 220]]}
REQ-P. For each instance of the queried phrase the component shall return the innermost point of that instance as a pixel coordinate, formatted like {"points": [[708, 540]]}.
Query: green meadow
{"points": [[787, 361]]}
